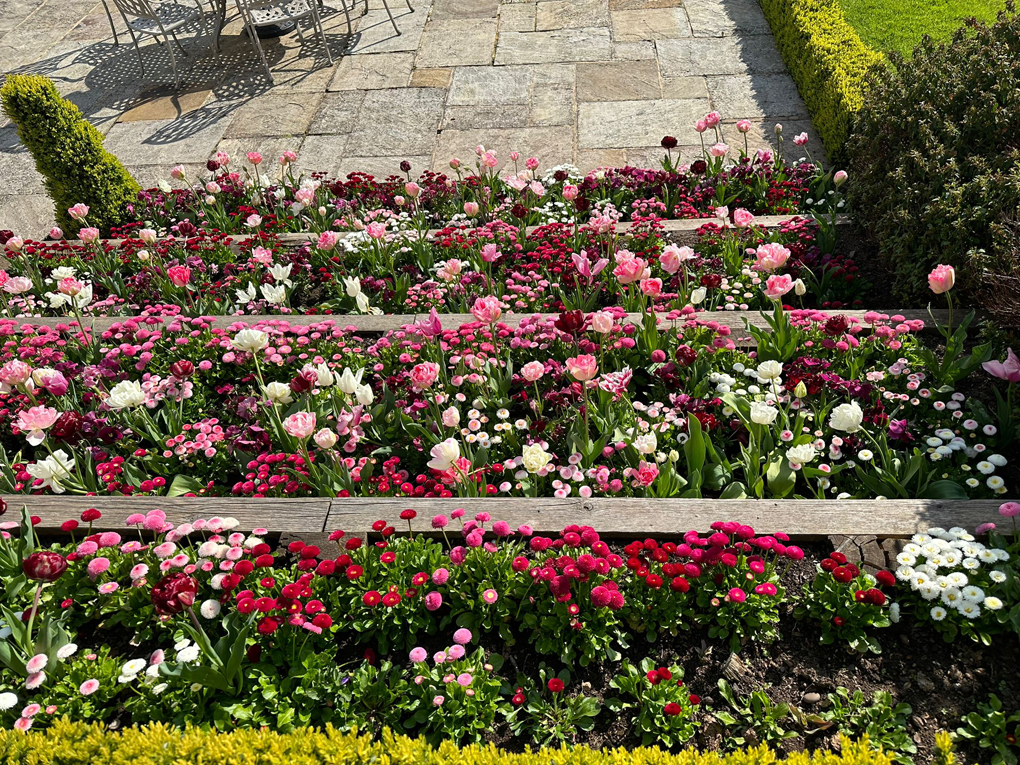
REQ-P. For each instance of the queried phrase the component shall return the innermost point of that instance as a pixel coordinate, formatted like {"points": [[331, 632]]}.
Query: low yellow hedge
{"points": [[828, 61], [67, 743]]}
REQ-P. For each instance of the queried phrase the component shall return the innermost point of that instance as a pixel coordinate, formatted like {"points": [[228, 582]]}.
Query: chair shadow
{"points": [[114, 82]]}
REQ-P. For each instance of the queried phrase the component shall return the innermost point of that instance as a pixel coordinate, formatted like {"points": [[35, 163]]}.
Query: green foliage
{"points": [[655, 699], [935, 164], [68, 152], [70, 743], [754, 718], [884, 723], [991, 728], [839, 616], [828, 61], [548, 717]]}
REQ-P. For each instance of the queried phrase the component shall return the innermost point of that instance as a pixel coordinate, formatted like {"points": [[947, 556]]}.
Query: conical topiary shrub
{"points": [[68, 152]]}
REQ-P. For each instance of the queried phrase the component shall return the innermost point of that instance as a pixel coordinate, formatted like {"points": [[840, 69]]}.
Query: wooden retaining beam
{"points": [[612, 517]]}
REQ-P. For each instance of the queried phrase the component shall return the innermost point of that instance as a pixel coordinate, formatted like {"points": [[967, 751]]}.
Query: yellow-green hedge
{"points": [[829, 62], [67, 743]]}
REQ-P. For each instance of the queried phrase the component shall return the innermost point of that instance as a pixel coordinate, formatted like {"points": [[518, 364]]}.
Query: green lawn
{"points": [[888, 25]]}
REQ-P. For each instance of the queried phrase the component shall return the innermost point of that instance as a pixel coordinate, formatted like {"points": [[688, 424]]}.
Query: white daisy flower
{"points": [[970, 610], [938, 613], [958, 579], [997, 576], [952, 596], [971, 564], [133, 667], [992, 603], [904, 573], [973, 594], [929, 591], [905, 559]]}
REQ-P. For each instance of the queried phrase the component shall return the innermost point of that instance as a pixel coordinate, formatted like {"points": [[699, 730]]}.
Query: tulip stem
{"points": [[35, 610]]}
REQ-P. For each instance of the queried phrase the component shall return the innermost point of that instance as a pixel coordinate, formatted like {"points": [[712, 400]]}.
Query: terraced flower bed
{"points": [[552, 467]]}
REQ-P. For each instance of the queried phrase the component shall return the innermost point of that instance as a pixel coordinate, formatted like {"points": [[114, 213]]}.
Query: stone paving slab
{"points": [[622, 124], [589, 82]]}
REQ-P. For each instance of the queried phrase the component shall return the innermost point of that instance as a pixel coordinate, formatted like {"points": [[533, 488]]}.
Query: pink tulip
{"points": [[376, 230], [771, 256], [424, 375], [651, 287], [602, 322], [487, 309], [719, 150], [490, 253], [744, 126], [1005, 370], [179, 276], [328, 240], [300, 425], [570, 192], [630, 270], [941, 279], [672, 257], [33, 423], [89, 235], [742, 218], [78, 212], [254, 157], [778, 285], [471, 209], [533, 371], [582, 367]]}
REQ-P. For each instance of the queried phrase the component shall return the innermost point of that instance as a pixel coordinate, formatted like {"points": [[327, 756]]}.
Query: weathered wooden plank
{"points": [[624, 517], [297, 515], [735, 320], [687, 225]]}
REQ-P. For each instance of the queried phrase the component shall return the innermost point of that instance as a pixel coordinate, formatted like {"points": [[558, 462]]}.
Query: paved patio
{"points": [[589, 82]]}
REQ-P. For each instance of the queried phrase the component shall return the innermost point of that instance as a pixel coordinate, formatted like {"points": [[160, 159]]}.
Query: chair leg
{"points": [[109, 17], [253, 34], [347, 15], [173, 63], [181, 47], [322, 34], [138, 50], [389, 13]]}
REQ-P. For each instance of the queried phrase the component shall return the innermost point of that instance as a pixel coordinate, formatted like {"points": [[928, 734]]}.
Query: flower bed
{"points": [[176, 407], [497, 634], [486, 269], [215, 248]]}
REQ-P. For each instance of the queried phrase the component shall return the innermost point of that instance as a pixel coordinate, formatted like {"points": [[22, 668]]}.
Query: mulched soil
{"points": [[941, 682]]}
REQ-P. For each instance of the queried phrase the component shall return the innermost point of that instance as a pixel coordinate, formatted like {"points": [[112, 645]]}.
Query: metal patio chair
{"points": [[265, 13], [157, 21]]}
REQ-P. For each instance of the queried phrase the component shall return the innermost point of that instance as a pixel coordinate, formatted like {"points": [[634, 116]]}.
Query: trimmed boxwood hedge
{"points": [[68, 743], [69, 153], [828, 61]]}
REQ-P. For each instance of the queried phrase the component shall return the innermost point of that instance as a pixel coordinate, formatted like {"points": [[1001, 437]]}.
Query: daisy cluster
{"points": [[953, 574]]}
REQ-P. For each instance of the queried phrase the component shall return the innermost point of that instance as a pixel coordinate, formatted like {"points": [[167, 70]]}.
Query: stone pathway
{"points": [[588, 82]]}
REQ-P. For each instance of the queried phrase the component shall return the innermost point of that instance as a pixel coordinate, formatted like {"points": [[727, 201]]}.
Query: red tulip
{"points": [[173, 593], [44, 566]]}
